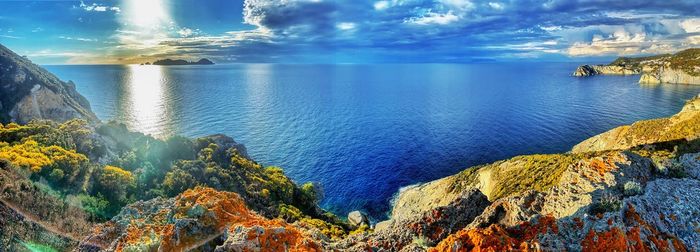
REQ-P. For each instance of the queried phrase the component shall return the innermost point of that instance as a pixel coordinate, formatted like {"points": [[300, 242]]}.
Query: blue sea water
{"points": [[364, 131]]}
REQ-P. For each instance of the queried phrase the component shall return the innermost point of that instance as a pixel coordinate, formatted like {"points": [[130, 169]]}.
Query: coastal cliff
{"points": [[680, 68], [633, 188], [29, 92], [590, 70]]}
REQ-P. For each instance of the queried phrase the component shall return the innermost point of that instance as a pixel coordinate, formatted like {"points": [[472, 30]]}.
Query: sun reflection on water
{"points": [[145, 105]]}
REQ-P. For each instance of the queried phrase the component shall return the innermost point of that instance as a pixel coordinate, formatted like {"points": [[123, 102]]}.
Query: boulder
{"points": [[357, 218]]}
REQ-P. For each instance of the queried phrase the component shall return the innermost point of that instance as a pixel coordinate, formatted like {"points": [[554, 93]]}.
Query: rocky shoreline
{"points": [[633, 188], [680, 68]]}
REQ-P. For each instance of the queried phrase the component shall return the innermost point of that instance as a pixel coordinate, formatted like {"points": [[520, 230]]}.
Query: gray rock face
{"points": [[691, 164], [29, 92], [670, 207], [668, 75], [409, 233], [357, 218], [591, 70]]}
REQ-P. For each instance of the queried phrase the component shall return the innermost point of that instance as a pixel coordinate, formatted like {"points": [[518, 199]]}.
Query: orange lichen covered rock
{"points": [[613, 240], [499, 238], [193, 220]]}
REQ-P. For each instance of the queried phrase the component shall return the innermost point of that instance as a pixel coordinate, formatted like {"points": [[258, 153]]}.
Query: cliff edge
{"points": [[29, 92], [680, 68], [634, 188]]}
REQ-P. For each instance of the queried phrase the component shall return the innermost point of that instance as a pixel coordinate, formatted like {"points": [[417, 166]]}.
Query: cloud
{"points": [[99, 8], [381, 5], [77, 39], [187, 32], [495, 5], [411, 30], [345, 26], [290, 15], [433, 18], [620, 42]]}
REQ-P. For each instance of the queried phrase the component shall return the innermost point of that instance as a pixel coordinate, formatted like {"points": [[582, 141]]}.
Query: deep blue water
{"points": [[364, 131]]}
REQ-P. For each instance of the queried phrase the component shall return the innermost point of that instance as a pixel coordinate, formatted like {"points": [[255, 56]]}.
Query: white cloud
{"points": [[433, 18], [496, 6], [187, 32], [77, 39], [10, 37], [619, 42], [98, 7], [458, 5], [691, 25], [381, 5], [345, 26], [551, 28]]}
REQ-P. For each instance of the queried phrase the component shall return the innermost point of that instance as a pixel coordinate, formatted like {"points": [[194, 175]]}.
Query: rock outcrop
{"points": [[590, 70], [680, 68], [29, 92], [199, 218], [667, 74]]}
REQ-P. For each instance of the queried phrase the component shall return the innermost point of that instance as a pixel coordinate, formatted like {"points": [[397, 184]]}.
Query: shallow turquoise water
{"points": [[364, 131]]}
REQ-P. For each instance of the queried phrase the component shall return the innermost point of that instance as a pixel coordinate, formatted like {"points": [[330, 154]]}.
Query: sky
{"points": [[349, 31]]}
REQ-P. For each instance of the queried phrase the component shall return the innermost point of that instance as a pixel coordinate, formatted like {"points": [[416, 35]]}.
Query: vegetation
{"points": [[606, 203], [331, 230], [636, 61], [687, 60], [103, 168], [632, 188], [521, 173]]}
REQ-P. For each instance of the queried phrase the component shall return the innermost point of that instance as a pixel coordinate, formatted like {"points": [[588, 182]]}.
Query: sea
{"points": [[365, 131]]}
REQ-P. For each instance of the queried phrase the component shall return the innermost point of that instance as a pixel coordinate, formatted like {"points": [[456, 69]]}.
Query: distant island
{"points": [[679, 68], [177, 62]]}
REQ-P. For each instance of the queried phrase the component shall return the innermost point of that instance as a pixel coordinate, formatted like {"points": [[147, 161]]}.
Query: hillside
{"points": [[679, 68], [29, 92]]}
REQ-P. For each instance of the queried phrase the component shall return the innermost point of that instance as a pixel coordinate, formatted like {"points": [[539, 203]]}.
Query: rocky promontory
{"points": [[590, 70], [680, 68], [29, 92]]}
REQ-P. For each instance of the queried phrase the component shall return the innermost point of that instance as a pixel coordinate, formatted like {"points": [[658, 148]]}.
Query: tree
{"points": [[115, 183]]}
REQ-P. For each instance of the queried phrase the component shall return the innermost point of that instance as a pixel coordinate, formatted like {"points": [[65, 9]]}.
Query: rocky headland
{"points": [[84, 185], [29, 92], [680, 68]]}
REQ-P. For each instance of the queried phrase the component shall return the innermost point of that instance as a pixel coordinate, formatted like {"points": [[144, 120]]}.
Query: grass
{"points": [[531, 172]]}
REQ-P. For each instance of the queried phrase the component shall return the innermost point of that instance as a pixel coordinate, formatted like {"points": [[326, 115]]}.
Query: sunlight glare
{"points": [[148, 14], [145, 99]]}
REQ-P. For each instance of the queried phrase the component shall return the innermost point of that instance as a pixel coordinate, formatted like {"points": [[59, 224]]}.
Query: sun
{"points": [[148, 14]]}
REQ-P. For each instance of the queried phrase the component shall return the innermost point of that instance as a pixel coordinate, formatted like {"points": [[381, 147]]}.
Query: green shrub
{"points": [[632, 188], [606, 203], [290, 213]]}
